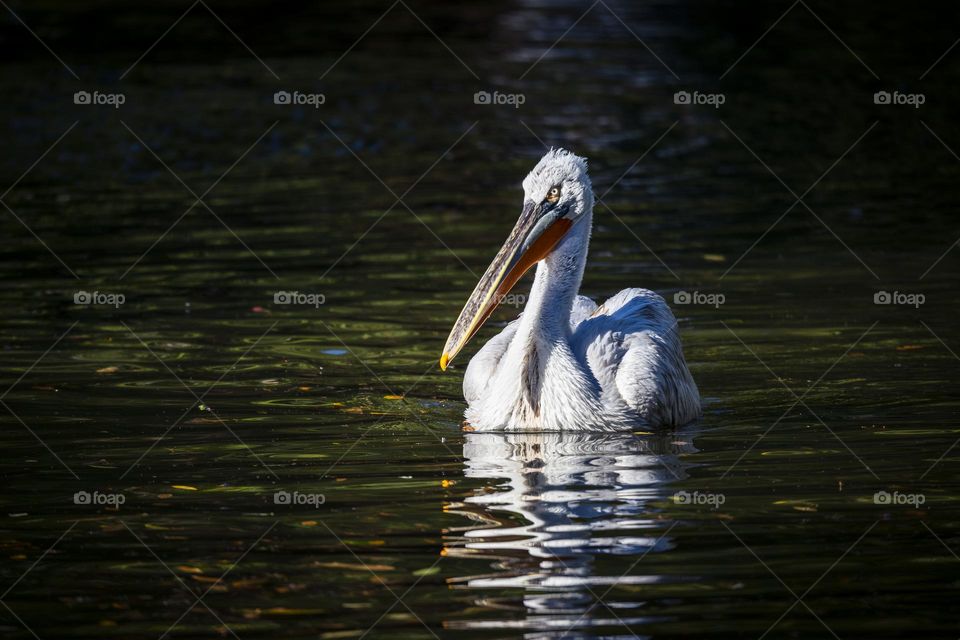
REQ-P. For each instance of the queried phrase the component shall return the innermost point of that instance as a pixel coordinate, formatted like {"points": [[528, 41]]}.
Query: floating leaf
{"points": [[188, 569], [336, 635], [284, 611], [247, 583], [799, 505], [207, 579], [343, 566]]}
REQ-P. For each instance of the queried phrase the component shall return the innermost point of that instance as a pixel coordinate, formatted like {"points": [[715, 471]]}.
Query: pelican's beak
{"points": [[538, 231]]}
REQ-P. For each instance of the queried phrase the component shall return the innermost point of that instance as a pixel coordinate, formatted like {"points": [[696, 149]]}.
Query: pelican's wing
{"points": [[482, 366], [632, 346], [583, 308]]}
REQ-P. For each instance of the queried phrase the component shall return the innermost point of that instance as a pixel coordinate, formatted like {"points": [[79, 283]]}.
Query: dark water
{"points": [[201, 397]]}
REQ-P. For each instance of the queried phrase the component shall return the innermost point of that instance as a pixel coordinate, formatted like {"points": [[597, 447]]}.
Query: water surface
{"points": [[201, 397]]}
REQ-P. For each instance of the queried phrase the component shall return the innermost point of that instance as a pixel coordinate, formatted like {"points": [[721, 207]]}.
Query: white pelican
{"points": [[566, 364]]}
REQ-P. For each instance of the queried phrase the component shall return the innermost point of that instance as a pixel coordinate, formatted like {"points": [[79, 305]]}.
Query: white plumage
{"points": [[566, 364]]}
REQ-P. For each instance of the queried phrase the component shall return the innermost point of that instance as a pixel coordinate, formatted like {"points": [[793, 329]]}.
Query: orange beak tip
{"points": [[444, 360]]}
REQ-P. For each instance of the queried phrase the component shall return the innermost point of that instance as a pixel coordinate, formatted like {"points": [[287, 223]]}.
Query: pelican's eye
{"points": [[554, 195]]}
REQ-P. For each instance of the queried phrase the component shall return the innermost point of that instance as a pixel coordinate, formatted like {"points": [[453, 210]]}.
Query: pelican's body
{"points": [[565, 364]]}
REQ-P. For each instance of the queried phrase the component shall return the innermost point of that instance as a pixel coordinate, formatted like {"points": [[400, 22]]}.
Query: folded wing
{"points": [[632, 346]]}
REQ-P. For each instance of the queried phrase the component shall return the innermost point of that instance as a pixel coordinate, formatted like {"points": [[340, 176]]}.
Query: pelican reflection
{"points": [[570, 501]]}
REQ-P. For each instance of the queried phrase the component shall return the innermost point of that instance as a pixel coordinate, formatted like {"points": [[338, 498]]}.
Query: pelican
{"points": [[566, 364]]}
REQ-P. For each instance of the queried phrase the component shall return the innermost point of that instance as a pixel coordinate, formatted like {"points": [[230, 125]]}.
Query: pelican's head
{"points": [[556, 194]]}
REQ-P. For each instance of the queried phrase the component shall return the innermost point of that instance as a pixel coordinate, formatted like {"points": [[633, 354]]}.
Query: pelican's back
{"points": [[632, 345]]}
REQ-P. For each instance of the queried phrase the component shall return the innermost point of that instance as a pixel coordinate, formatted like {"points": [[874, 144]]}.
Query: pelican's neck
{"points": [[542, 340], [546, 315]]}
